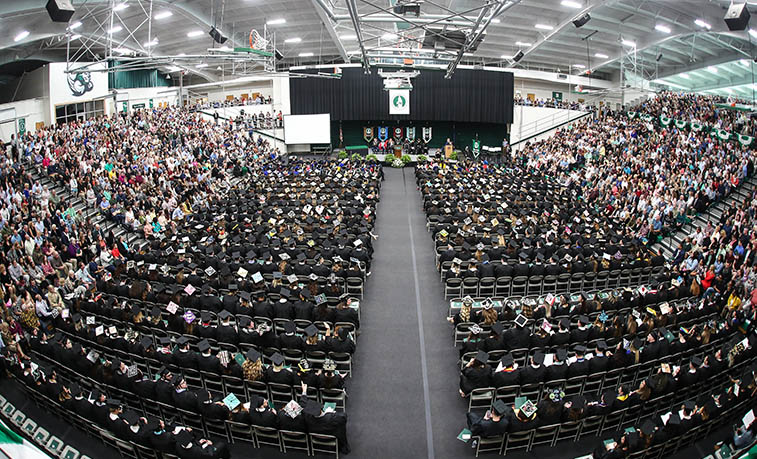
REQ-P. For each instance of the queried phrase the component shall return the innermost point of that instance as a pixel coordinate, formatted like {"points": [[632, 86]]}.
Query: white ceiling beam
{"points": [[326, 15]]}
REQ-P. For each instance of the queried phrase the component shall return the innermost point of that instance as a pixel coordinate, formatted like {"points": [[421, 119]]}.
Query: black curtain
{"points": [[470, 96]]}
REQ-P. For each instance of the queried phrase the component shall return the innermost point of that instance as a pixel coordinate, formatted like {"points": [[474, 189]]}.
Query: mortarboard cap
{"points": [[252, 355], [507, 360], [647, 427], [223, 315], [482, 356], [203, 345], [538, 357], [499, 407], [131, 417], [277, 359]]}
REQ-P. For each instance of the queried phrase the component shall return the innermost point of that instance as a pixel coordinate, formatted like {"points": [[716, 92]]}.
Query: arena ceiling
{"points": [[660, 39]]}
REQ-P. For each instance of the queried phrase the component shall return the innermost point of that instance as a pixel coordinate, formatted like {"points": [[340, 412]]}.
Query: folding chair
{"points": [[516, 441], [481, 398], [545, 435], [503, 286], [519, 286], [486, 286], [453, 288], [321, 443], [266, 436], [241, 433], [569, 431], [470, 286], [489, 444], [294, 441]]}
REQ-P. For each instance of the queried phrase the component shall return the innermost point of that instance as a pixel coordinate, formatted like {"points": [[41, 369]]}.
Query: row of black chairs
{"points": [[507, 286]]}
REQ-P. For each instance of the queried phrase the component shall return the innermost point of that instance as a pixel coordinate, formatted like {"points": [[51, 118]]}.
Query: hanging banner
{"points": [[680, 124], [22, 126], [427, 134], [476, 147], [722, 134], [696, 127], [745, 140], [646, 118], [368, 134], [410, 133], [398, 134], [383, 133], [399, 101], [632, 115], [665, 121]]}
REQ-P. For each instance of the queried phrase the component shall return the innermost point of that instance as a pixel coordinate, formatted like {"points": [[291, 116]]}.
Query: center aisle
{"points": [[387, 401], [385, 404]]}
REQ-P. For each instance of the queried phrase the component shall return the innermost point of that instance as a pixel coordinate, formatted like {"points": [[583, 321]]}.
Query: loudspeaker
{"points": [[60, 10], [581, 20], [737, 16], [217, 36], [518, 56]]}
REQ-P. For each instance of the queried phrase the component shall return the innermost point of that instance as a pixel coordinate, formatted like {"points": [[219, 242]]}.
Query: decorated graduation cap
{"points": [[521, 320]]}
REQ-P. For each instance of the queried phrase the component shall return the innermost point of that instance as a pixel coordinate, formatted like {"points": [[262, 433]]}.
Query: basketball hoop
{"points": [[257, 41]]}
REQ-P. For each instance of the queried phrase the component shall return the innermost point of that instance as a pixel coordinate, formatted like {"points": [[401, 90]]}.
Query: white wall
{"points": [[530, 120], [142, 96], [31, 110], [219, 93]]}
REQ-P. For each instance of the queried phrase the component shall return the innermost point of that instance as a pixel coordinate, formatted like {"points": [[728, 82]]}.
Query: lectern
{"points": [[398, 151], [448, 150]]}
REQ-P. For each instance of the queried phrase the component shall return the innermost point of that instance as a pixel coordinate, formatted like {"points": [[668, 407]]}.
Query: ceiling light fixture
{"points": [[629, 43], [293, 40], [389, 36], [306, 54], [544, 27], [122, 50], [21, 36], [579, 66], [685, 76], [152, 43], [115, 29], [523, 43], [75, 25], [348, 37], [601, 56], [201, 66], [571, 4], [701, 23], [753, 33], [75, 37], [496, 21], [163, 15], [277, 21], [712, 69], [662, 28], [120, 7], [195, 33]]}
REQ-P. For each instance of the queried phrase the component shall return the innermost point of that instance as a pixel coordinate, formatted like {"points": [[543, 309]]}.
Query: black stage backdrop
{"points": [[477, 96]]}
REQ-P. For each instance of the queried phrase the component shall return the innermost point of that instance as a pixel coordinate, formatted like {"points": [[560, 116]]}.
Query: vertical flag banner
{"points": [[399, 102]]}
